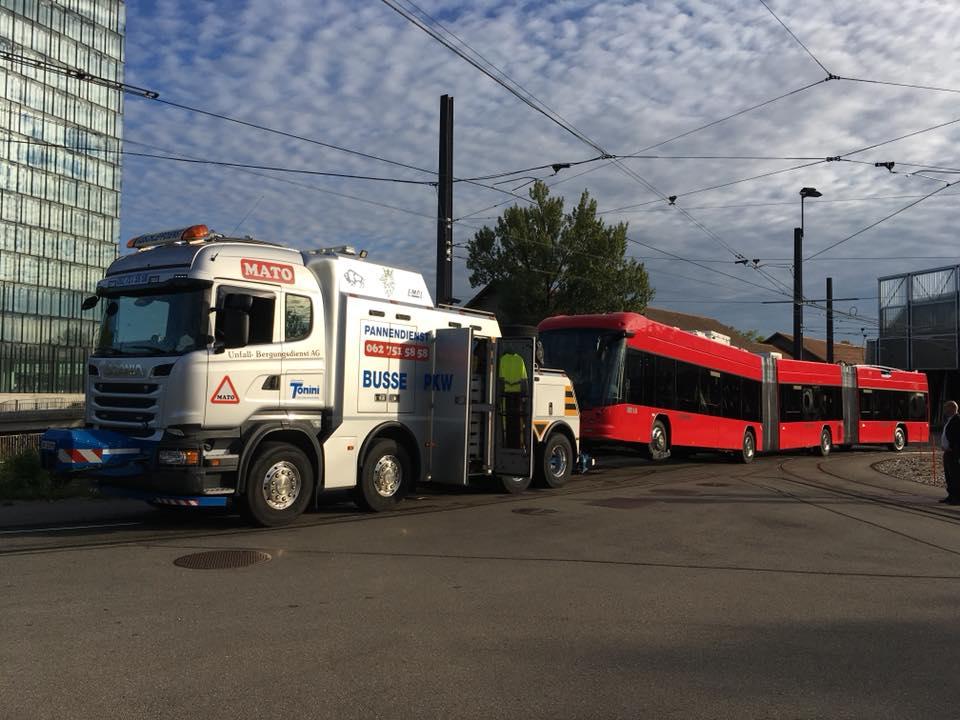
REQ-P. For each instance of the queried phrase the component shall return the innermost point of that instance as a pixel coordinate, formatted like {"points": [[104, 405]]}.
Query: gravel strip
{"points": [[923, 467]]}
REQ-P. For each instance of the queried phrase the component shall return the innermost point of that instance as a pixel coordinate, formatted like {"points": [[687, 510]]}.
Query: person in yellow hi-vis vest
{"points": [[514, 391]]}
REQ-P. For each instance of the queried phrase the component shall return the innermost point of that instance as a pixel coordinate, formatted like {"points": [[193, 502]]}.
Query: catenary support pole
{"points": [[798, 293], [445, 204], [829, 320]]}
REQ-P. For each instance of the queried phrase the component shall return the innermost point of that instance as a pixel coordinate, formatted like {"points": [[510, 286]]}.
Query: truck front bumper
{"points": [[131, 465]]}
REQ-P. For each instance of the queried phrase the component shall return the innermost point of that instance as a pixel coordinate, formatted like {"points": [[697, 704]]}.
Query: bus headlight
{"points": [[179, 457]]}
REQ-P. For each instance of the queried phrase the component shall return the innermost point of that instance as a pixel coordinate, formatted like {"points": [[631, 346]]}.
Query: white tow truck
{"points": [[232, 370]]}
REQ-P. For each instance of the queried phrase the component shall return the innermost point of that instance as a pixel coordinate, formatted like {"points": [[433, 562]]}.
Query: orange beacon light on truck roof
{"points": [[170, 237]]}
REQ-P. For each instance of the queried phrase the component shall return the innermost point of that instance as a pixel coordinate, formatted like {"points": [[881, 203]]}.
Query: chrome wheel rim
{"points": [[387, 476], [658, 440], [281, 485], [558, 461], [898, 439], [748, 445], [825, 443]]}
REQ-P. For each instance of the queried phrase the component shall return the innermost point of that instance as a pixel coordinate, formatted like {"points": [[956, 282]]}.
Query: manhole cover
{"points": [[221, 559], [534, 511], [621, 503], [713, 484], [671, 491]]}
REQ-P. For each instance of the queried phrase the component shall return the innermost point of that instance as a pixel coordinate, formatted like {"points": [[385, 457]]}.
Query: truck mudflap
{"points": [[74, 450]]}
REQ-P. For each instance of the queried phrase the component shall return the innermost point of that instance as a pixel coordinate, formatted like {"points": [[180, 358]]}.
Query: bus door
{"points": [[851, 405], [513, 434], [449, 388]]}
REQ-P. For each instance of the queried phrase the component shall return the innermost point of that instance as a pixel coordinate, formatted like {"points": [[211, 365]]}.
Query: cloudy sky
{"points": [[627, 75]]}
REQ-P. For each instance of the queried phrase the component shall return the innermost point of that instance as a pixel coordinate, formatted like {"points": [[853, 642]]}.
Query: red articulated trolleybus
{"points": [[642, 383]]}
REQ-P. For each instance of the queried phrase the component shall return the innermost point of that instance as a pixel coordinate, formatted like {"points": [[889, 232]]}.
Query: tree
{"points": [[544, 262]]}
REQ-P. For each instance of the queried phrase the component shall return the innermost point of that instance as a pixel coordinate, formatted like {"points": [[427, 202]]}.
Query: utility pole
{"points": [[445, 205], [798, 293], [829, 320], [798, 276]]}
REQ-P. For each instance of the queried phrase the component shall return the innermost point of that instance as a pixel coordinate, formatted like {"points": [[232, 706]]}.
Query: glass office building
{"points": [[59, 185]]}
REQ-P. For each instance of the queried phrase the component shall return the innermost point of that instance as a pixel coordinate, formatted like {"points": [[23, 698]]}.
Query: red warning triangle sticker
{"points": [[226, 394]]}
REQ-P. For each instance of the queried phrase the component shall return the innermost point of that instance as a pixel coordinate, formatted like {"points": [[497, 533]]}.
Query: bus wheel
{"points": [[826, 443], [899, 439], [749, 449], [384, 476], [278, 485], [659, 447], [554, 461], [514, 484]]}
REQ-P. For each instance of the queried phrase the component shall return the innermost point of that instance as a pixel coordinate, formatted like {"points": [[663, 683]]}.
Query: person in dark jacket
{"points": [[950, 444]]}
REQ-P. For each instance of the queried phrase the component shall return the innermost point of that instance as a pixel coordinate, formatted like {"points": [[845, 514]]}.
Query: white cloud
{"points": [[627, 74]]}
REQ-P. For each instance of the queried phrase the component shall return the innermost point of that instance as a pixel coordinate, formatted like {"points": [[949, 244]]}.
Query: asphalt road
{"points": [[791, 588]]}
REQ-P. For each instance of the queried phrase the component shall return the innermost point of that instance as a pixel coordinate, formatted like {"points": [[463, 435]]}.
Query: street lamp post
{"points": [[798, 276]]}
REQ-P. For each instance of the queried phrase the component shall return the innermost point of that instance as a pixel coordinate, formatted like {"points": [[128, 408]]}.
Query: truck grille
{"points": [[125, 404]]}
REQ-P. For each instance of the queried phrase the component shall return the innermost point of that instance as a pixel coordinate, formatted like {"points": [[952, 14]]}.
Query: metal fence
{"points": [[11, 445], [29, 404]]}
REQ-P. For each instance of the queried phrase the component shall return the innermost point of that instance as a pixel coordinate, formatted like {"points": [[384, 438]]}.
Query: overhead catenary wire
{"points": [[699, 128], [500, 77], [881, 220], [482, 64], [799, 42], [430, 217], [155, 97]]}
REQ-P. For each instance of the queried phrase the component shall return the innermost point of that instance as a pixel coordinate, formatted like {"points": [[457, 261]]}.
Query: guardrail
{"points": [[27, 405], [11, 445]]}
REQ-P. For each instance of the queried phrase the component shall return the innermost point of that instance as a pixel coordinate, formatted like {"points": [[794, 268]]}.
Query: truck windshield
{"points": [[171, 322], [591, 358]]}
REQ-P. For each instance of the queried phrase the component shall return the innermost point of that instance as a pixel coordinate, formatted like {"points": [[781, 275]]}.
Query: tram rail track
{"points": [[157, 532]]}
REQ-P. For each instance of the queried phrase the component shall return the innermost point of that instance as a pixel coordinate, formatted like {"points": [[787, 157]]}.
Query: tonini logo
{"points": [[298, 389]]}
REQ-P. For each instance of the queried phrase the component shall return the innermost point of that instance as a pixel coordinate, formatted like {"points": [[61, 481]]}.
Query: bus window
{"points": [[633, 377], [866, 405], [731, 392], [688, 381], [750, 400], [918, 407], [791, 403], [710, 393], [665, 370]]}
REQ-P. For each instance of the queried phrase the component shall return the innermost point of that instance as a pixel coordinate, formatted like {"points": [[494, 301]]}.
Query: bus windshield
{"points": [[168, 322], [591, 358]]}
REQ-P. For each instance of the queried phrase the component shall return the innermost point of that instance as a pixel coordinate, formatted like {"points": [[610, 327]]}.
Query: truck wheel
{"points": [[554, 461], [899, 439], [826, 443], [659, 447], [279, 484], [385, 476], [748, 450], [514, 484]]}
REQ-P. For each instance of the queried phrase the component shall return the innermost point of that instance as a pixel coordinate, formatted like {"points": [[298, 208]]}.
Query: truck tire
{"points": [[554, 461], [279, 484], [385, 476], [514, 484]]}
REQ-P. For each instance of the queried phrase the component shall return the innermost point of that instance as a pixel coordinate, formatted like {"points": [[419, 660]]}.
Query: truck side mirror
{"points": [[236, 327], [89, 302]]}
